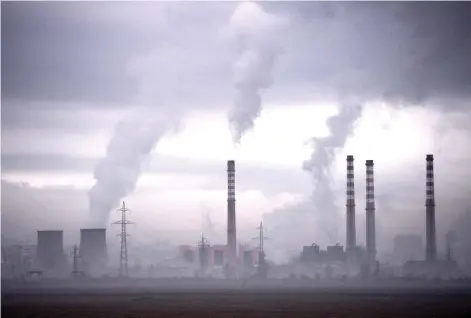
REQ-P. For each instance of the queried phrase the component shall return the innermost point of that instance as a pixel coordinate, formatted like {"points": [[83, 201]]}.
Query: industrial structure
{"points": [[50, 251], [231, 220], [93, 251], [234, 260], [430, 235], [370, 215], [123, 252], [351, 229]]}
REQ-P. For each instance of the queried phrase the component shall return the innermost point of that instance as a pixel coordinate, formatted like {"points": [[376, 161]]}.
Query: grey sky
{"points": [[76, 68]]}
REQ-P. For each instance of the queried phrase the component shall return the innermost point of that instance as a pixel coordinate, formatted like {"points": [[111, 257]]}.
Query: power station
{"points": [[233, 259]]}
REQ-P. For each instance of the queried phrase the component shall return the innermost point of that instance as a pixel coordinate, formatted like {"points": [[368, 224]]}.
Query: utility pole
{"points": [[123, 255]]}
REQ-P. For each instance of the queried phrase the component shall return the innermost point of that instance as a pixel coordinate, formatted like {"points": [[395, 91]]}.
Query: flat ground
{"points": [[241, 303]]}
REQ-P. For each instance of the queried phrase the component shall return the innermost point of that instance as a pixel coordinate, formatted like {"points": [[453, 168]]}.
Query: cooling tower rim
{"points": [[50, 231]]}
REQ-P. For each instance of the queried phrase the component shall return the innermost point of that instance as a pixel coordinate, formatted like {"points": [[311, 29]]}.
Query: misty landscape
{"points": [[236, 159]]}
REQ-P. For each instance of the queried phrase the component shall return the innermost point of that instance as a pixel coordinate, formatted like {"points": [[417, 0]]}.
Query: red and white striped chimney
{"points": [[351, 231], [231, 215], [430, 234], [370, 213]]}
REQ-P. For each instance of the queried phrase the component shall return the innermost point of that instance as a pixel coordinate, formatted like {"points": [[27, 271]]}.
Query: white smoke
{"points": [[318, 217], [340, 128], [117, 173], [254, 32]]}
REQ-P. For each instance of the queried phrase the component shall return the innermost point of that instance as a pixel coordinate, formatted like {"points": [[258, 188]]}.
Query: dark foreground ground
{"points": [[317, 302]]}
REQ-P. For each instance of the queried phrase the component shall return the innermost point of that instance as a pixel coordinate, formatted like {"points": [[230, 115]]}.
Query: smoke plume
{"points": [[254, 32], [117, 173], [319, 214], [340, 127]]}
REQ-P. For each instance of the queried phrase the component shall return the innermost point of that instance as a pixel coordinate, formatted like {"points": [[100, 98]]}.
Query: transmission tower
{"points": [[260, 237], [262, 269], [123, 255], [75, 266]]}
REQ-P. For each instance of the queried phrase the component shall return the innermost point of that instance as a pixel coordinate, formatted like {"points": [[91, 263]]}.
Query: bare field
{"points": [[240, 303]]}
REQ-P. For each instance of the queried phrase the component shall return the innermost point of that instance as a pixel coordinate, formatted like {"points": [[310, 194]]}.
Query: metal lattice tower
{"points": [[123, 255], [75, 263], [370, 212], [261, 238], [351, 231], [431, 241], [204, 249]]}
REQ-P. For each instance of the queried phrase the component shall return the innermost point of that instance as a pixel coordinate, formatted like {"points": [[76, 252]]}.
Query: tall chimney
{"points": [[370, 213], [351, 235], [231, 214], [431, 240]]}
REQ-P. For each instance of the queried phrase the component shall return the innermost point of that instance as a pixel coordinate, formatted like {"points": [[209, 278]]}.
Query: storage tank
{"points": [[93, 251], [50, 250]]}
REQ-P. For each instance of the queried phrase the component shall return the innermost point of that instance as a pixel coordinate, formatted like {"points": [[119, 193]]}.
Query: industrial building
{"points": [[93, 251], [50, 252], [408, 247], [233, 259], [218, 255]]}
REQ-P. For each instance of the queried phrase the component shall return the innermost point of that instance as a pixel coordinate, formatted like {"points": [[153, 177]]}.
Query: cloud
{"points": [[249, 176], [402, 51], [399, 178], [159, 213], [406, 51]]}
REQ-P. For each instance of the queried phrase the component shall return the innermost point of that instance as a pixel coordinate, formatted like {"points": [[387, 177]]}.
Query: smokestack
{"points": [[231, 214], [93, 250], [351, 235], [431, 240], [370, 213]]}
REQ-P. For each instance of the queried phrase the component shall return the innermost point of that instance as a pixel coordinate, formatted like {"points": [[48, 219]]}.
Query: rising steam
{"points": [[117, 173], [319, 215], [254, 32], [340, 128]]}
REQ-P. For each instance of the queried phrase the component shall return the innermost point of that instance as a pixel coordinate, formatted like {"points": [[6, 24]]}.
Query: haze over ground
{"points": [[180, 76]]}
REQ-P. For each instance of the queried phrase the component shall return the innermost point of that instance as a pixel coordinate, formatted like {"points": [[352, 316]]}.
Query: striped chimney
{"points": [[430, 231], [351, 235], [370, 212]]}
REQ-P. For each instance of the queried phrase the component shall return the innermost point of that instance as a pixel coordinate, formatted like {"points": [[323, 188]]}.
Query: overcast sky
{"points": [[181, 76]]}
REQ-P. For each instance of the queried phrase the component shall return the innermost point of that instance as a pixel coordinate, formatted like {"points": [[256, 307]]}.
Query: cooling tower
{"points": [[50, 249], [231, 217], [430, 235], [93, 251], [351, 231]]}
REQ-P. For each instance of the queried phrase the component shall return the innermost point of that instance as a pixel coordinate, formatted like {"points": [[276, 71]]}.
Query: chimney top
{"points": [[429, 158], [349, 158], [231, 165], [369, 162]]}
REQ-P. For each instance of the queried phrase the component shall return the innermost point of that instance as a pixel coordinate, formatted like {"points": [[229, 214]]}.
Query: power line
{"points": [[123, 255]]}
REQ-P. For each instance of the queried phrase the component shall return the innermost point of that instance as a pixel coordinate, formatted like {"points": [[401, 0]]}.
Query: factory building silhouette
{"points": [[234, 258]]}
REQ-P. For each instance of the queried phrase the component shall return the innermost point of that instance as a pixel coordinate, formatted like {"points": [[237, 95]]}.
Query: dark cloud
{"points": [[81, 51], [398, 50]]}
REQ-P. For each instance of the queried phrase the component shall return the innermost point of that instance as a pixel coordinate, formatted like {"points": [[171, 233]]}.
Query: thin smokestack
{"points": [[351, 235], [370, 212], [431, 240], [231, 214]]}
